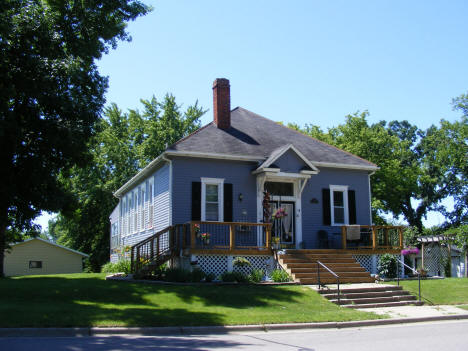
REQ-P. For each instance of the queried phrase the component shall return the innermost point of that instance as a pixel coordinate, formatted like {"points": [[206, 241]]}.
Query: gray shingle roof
{"points": [[253, 135]]}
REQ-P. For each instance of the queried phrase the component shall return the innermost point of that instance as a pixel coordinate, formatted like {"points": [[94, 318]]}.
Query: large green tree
{"points": [[418, 168], [124, 143], [51, 96]]}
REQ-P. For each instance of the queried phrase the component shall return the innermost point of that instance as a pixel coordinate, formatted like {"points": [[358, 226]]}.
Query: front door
{"points": [[284, 227]]}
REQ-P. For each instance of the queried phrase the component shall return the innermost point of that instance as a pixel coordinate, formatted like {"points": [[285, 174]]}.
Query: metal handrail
{"points": [[414, 271], [333, 273]]}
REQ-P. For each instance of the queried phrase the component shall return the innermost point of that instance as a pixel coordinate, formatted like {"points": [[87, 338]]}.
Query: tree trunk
{"points": [[2, 247]]}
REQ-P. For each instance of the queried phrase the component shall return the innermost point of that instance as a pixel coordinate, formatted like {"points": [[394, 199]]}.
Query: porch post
{"points": [[232, 237], [374, 238], [343, 237], [192, 235]]}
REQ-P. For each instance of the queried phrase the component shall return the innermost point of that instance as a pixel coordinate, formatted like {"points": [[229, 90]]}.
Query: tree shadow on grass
{"points": [[60, 301]]}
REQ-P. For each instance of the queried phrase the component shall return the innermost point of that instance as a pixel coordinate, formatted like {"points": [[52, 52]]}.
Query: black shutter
{"points": [[227, 202], [326, 206], [352, 206], [196, 201]]}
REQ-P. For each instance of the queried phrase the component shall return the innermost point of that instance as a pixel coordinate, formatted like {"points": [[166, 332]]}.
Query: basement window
{"points": [[35, 264]]}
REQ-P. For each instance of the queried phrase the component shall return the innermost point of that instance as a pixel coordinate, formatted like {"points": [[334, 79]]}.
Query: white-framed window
{"points": [[129, 212], [212, 199], [135, 211], [339, 204], [142, 208], [150, 208], [124, 214]]}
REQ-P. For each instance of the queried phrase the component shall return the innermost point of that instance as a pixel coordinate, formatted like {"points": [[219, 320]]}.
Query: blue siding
{"points": [[161, 207], [312, 213], [161, 198], [290, 162], [188, 170]]}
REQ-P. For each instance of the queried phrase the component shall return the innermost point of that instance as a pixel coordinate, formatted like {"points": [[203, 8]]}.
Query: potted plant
{"points": [[275, 242], [205, 238]]}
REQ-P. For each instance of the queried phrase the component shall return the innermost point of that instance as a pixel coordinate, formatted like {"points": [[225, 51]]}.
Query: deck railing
{"points": [[373, 237], [230, 235]]}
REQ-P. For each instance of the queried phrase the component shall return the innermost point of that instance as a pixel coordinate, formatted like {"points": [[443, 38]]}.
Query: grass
{"points": [[448, 291], [465, 307], [74, 300]]}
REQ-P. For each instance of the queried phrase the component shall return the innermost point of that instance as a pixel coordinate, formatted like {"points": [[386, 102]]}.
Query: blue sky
{"points": [[299, 61]]}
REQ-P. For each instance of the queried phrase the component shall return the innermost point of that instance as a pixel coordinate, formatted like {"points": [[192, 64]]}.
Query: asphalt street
{"points": [[450, 335]]}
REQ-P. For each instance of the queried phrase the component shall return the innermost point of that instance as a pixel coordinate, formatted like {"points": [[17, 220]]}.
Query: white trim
{"points": [[344, 189], [347, 166], [53, 244], [139, 176], [212, 181], [214, 155], [276, 154]]}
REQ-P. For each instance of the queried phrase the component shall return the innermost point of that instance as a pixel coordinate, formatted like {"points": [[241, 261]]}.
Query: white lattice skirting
{"points": [[371, 262], [218, 264]]}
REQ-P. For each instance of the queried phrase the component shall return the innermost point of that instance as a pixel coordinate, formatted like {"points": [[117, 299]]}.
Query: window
{"points": [[143, 207], [135, 212], [35, 264], [150, 210], [212, 199], [279, 188], [339, 204]]}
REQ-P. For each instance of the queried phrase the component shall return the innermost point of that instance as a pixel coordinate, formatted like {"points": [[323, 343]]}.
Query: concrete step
{"points": [[374, 300], [360, 290], [386, 304], [346, 295]]}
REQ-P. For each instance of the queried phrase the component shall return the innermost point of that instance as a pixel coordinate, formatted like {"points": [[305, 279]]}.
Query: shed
{"points": [[39, 256], [435, 250]]}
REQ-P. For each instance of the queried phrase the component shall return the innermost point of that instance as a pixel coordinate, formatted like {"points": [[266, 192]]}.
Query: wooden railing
{"points": [[229, 235], [160, 247], [374, 237]]}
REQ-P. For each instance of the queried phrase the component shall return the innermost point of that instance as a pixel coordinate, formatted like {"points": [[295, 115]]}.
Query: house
{"points": [[228, 179], [38, 256]]}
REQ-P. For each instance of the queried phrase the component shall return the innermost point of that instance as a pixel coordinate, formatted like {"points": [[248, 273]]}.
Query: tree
{"points": [[124, 143], [418, 168], [51, 96]]}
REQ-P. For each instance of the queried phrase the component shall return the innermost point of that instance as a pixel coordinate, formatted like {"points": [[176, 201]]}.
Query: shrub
{"points": [[117, 267], [256, 276], [228, 277], [179, 275], [280, 276], [388, 266], [447, 267], [210, 277], [232, 277], [197, 275]]}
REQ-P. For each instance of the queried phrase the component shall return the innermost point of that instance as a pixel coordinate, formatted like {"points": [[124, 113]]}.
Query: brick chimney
{"points": [[222, 103]]}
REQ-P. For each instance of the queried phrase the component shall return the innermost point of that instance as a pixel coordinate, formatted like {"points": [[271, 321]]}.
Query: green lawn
{"points": [[449, 291], [89, 300]]}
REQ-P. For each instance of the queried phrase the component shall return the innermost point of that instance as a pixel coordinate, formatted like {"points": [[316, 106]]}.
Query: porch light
{"points": [[314, 201], [241, 196]]}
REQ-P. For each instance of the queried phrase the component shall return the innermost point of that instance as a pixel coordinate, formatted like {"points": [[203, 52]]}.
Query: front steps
{"points": [[371, 297], [302, 266]]}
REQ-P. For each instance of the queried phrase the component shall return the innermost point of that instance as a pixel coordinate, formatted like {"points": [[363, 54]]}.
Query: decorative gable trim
{"points": [[276, 154]]}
